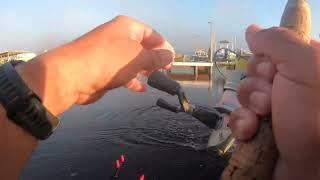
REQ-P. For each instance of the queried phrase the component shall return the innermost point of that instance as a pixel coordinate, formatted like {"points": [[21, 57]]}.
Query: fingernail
{"points": [[245, 131], [143, 89], [236, 126], [168, 66], [264, 68], [251, 31], [259, 103], [245, 128], [168, 46], [140, 88], [166, 57], [238, 131]]}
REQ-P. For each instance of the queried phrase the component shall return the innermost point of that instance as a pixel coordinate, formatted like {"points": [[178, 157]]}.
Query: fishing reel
{"points": [[221, 139]]}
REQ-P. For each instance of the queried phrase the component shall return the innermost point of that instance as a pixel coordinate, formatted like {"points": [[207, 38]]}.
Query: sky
{"points": [[36, 25]]}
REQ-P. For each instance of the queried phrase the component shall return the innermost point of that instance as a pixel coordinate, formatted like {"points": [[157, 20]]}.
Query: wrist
{"points": [[46, 77]]}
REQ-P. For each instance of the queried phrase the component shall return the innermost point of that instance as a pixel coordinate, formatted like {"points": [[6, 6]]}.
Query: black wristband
{"points": [[23, 106]]}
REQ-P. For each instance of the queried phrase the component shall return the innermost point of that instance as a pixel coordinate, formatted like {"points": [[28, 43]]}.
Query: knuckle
{"points": [[314, 58], [276, 30], [156, 62], [247, 82], [275, 33], [314, 53], [252, 28], [151, 60], [122, 19], [243, 94], [278, 34]]}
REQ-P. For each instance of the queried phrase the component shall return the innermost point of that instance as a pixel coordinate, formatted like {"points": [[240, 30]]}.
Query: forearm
{"points": [[16, 146], [43, 76]]}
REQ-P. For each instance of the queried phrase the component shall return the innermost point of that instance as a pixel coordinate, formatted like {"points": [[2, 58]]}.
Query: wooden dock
{"points": [[209, 65]]}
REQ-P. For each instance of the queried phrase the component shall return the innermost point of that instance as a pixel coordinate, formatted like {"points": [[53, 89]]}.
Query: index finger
{"points": [[143, 34], [294, 59], [280, 44]]}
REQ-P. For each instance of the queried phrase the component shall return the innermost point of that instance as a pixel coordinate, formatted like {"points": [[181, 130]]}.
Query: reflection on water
{"points": [[156, 142]]}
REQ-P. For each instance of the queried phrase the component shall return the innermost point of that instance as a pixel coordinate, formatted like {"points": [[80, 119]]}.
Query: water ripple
{"points": [[150, 125]]}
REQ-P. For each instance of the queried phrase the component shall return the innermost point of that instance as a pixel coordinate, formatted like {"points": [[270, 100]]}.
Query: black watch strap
{"points": [[23, 106]]}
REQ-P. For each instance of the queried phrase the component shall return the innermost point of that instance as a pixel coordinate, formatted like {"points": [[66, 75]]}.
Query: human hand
{"points": [[110, 56], [283, 77]]}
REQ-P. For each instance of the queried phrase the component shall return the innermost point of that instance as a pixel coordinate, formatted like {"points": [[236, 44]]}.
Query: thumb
{"points": [[135, 85]]}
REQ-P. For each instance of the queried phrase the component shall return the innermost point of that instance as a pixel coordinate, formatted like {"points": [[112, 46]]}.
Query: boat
{"points": [[8, 56]]}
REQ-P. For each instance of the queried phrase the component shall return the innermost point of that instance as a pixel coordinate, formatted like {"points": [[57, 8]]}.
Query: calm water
{"points": [[156, 143]]}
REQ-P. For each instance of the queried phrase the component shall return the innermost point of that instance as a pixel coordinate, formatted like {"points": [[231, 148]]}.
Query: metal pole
{"points": [[215, 46], [232, 44], [211, 52], [211, 45], [214, 40], [235, 43]]}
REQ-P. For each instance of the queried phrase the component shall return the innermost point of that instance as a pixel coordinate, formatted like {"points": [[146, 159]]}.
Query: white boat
{"points": [[7, 56]]}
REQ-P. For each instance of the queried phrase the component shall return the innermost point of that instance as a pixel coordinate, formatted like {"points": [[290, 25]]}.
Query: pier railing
{"points": [[208, 65]]}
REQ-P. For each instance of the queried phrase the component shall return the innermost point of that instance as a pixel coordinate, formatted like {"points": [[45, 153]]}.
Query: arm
{"points": [[81, 72]]}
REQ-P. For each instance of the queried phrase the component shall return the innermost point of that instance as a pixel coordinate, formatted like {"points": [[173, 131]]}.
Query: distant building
{"points": [[201, 55], [16, 55], [224, 44]]}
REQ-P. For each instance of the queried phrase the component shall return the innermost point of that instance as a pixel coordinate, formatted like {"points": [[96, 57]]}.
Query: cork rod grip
{"points": [[256, 159]]}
